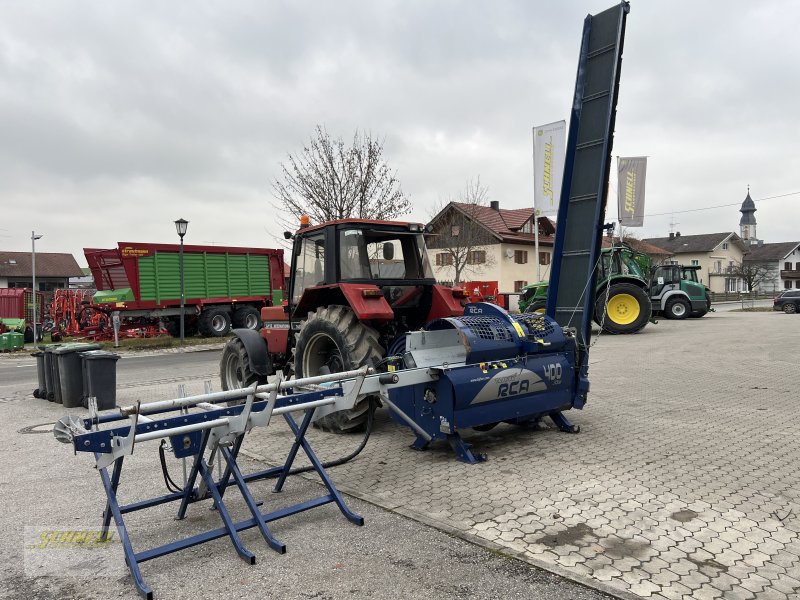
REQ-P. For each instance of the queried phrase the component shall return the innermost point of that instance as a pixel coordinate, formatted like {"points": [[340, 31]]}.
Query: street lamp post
{"points": [[180, 227], [34, 237]]}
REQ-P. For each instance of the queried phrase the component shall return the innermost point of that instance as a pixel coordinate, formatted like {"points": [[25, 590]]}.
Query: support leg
{"points": [[113, 509], [114, 485], [299, 437], [300, 432], [563, 423], [462, 450], [187, 491], [233, 469], [208, 477]]}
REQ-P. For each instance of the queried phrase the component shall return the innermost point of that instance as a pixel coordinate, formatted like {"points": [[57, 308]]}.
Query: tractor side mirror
{"points": [[388, 251]]}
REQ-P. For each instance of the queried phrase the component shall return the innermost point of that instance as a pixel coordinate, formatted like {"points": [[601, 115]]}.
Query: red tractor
{"points": [[356, 287]]}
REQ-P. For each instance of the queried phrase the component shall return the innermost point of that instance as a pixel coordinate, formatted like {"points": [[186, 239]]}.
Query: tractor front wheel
{"points": [[677, 308], [332, 339], [537, 306], [622, 308], [234, 367]]}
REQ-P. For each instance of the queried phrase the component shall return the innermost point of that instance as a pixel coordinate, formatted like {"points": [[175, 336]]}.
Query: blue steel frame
{"points": [[232, 475]]}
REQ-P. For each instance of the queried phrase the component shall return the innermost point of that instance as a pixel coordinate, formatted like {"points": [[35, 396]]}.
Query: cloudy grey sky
{"points": [[116, 118]]}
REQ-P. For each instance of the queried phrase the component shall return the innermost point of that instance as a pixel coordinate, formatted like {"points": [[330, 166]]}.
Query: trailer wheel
{"points": [[623, 308], [247, 317], [214, 322], [333, 338], [234, 367], [677, 308]]}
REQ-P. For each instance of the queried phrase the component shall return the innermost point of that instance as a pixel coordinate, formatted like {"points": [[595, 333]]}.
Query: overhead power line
{"points": [[672, 212]]}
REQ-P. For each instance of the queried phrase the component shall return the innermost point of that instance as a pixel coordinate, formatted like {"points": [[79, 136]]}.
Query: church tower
{"points": [[747, 224]]}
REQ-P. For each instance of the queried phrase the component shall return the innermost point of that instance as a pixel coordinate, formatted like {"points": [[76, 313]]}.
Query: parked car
{"points": [[788, 301]]}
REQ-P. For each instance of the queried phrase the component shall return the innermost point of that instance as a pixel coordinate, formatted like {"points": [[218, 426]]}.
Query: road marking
{"points": [[30, 365]]}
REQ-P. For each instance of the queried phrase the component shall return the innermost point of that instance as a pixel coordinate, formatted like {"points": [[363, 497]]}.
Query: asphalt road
{"points": [[45, 486]]}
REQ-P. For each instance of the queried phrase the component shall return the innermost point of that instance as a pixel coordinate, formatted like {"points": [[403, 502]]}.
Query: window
{"points": [[787, 266], [521, 257], [798, 266], [310, 265], [518, 285], [787, 284], [725, 246], [718, 266], [544, 258], [476, 257], [444, 259], [455, 230], [730, 285], [695, 262]]}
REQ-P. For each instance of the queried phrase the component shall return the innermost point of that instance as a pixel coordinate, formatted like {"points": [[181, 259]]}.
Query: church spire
{"points": [[747, 224]]}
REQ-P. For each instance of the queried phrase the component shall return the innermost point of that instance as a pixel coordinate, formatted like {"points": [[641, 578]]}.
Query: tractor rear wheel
{"points": [[622, 308], [333, 339], [234, 367], [677, 308]]}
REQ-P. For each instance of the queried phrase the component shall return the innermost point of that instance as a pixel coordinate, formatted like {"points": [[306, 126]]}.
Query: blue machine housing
{"points": [[518, 368]]}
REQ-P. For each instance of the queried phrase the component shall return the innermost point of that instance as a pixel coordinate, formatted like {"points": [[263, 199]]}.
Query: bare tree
{"points": [[457, 233], [329, 180], [753, 273]]}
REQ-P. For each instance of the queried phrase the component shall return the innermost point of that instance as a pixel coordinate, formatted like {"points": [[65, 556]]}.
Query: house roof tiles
{"points": [[704, 242], [771, 252], [48, 264]]}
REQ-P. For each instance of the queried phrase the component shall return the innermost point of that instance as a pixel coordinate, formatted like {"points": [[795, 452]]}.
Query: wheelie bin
{"points": [[68, 386], [50, 375], [37, 393], [100, 378]]}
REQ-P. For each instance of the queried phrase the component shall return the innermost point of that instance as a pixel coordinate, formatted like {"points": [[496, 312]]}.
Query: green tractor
{"points": [[623, 300], [630, 291], [676, 292]]}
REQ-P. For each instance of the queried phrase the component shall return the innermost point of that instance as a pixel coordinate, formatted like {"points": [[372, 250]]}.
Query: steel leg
{"points": [[113, 507], [563, 423], [208, 477], [115, 475], [299, 437], [300, 433], [462, 450], [233, 468], [187, 491]]}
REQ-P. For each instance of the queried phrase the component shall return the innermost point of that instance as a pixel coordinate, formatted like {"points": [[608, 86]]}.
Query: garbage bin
{"points": [[16, 341], [4, 342], [50, 374], [100, 378], [68, 385], [37, 393]]}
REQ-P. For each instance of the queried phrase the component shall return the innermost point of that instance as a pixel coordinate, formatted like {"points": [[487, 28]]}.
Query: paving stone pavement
{"points": [[682, 484]]}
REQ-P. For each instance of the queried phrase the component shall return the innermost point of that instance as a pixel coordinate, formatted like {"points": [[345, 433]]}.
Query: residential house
{"points": [[489, 243], [717, 254], [53, 270], [781, 262]]}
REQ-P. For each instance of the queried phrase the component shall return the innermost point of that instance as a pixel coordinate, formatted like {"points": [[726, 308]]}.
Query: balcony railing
{"points": [[790, 274]]}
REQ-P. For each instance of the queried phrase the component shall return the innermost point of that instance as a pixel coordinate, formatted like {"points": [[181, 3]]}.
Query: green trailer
{"points": [[223, 286]]}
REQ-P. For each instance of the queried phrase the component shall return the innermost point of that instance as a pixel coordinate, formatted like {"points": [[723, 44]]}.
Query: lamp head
{"points": [[180, 227]]}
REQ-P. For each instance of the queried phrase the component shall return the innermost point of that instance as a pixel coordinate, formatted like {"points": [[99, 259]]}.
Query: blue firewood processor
{"points": [[440, 366]]}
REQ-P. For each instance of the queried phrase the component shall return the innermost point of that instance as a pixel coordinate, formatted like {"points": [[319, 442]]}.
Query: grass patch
{"points": [[134, 344]]}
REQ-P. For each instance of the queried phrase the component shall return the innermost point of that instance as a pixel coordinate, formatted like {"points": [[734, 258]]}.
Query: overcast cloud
{"points": [[116, 118]]}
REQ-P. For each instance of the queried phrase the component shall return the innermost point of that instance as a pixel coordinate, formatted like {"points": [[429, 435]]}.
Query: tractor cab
{"points": [[378, 268]]}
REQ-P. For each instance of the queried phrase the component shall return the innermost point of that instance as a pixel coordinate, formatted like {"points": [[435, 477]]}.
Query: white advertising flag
{"points": [[631, 174], [549, 142]]}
